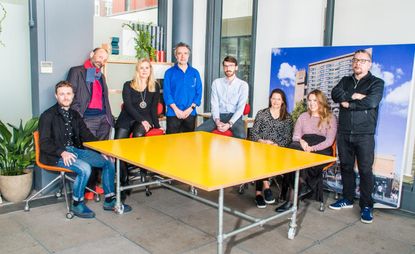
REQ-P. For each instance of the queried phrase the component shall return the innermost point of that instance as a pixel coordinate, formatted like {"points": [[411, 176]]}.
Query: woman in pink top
{"points": [[314, 131]]}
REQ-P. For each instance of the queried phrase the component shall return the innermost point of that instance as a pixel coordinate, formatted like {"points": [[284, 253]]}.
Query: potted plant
{"points": [[16, 155], [143, 47]]}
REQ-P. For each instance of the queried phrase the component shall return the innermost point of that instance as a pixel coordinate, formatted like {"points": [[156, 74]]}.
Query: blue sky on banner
{"points": [[393, 63]]}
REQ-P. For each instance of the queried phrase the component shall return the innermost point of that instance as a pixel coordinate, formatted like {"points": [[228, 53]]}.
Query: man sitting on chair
{"points": [[228, 99], [62, 131]]}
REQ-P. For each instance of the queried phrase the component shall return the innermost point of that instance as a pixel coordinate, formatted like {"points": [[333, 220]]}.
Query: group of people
{"points": [[316, 130], [83, 113]]}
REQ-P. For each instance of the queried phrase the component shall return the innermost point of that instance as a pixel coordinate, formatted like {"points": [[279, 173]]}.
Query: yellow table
{"points": [[211, 162]]}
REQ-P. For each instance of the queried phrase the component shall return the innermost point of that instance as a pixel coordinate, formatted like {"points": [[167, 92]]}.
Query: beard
{"points": [[229, 73]]}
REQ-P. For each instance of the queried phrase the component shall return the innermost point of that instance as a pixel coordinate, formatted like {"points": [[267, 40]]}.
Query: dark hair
{"points": [[364, 51], [230, 59], [62, 83], [283, 109], [182, 44]]}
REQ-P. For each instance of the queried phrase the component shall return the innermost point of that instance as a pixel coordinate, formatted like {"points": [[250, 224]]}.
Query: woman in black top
{"points": [[139, 112], [273, 125]]}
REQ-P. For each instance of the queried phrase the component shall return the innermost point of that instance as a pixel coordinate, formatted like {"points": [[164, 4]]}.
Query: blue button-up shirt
{"points": [[229, 97], [182, 88]]}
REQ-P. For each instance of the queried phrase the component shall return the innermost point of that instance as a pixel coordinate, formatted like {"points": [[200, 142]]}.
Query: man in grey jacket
{"points": [[91, 100]]}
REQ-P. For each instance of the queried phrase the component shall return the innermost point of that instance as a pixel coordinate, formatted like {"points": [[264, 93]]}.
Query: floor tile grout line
{"points": [[27, 230], [122, 234]]}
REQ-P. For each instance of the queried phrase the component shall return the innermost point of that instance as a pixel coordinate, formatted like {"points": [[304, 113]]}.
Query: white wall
{"points": [[15, 86], [281, 23], [374, 22]]}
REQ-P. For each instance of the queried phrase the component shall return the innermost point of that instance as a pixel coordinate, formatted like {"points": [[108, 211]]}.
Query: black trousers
{"points": [[312, 176], [360, 148], [176, 125], [137, 130]]}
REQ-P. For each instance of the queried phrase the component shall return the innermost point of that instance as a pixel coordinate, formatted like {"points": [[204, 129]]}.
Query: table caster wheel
{"points": [[69, 215], [26, 208], [97, 198], [58, 194], [291, 233], [148, 193]]}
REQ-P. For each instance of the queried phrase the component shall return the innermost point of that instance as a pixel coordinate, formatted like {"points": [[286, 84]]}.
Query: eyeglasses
{"points": [[229, 66], [362, 61]]}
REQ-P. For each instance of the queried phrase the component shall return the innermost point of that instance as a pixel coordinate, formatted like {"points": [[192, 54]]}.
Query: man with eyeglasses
{"points": [[228, 98], [359, 96]]}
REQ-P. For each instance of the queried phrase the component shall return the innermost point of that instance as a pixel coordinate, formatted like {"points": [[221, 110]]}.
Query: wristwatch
{"points": [[230, 124]]}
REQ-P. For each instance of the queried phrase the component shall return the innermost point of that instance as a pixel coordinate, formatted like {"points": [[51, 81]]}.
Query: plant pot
{"points": [[16, 188]]}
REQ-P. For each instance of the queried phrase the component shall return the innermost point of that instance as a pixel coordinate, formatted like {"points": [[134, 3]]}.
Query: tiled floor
{"points": [[167, 222]]}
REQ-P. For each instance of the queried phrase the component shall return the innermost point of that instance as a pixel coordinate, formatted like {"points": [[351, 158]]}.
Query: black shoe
{"points": [[269, 198], [260, 202], [284, 207]]}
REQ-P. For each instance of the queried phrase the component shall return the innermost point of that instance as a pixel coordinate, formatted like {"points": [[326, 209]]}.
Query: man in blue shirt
{"points": [[228, 99], [182, 92]]}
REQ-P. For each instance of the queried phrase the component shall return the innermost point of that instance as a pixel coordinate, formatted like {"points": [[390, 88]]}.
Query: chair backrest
{"points": [[247, 109], [334, 154], [37, 156]]}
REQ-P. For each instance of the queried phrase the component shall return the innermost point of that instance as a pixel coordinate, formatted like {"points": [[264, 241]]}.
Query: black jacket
{"points": [[361, 116], [52, 134], [82, 90]]}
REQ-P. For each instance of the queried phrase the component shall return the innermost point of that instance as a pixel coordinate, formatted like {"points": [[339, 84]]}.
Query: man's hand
{"points": [[179, 114], [224, 127], [68, 158], [358, 96], [345, 104], [108, 158], [187, 112]]}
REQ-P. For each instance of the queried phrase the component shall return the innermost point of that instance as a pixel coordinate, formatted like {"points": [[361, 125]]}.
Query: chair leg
{"points": [[69, 214], [27, 207]]}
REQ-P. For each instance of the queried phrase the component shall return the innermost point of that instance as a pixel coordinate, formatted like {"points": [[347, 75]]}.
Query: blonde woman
{"points": [[314, 131], [139, 112]]}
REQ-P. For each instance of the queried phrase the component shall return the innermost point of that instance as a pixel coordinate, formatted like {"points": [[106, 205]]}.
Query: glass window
{"points": [[236, 38], [144, 11]]}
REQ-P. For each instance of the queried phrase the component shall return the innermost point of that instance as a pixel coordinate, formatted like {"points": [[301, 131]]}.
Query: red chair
{"points": [[229, 133], [153, 131]]}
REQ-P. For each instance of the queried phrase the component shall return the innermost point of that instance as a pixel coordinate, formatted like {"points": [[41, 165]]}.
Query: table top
{"points": [[208, 161]]}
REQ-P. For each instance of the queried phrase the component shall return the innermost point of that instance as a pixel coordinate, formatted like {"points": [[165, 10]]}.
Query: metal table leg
{"points": [[220, 221], [118, 205], [293, 224]]}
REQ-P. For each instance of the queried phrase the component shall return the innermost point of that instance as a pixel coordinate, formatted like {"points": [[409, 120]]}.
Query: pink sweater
{"points": [[307, 124]]}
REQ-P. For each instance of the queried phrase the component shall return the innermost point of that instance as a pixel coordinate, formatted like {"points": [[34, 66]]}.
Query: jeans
{"points": [[82, 167], [238, 129], [360, 148]]}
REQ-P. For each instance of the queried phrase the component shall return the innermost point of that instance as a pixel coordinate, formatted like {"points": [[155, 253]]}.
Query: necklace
{"points": [[143, 104]]}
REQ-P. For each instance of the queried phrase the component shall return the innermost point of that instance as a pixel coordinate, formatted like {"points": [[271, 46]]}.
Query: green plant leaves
{"points": [[17, 147]]}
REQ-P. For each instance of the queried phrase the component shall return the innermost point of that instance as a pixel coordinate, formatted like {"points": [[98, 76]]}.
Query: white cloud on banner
{"points": [[400, 95], [399, 72], [387, 76], [276, 51], [286, 74]]}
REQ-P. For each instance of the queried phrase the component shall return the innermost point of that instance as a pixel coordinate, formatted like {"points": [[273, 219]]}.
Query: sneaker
{"points": [[341, 203], [109, 206], [99, 190], [269, 198], [260, 201], [284, 207], [366, 215], [82, 211], [89, 195]]}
